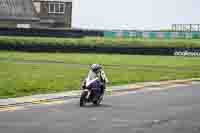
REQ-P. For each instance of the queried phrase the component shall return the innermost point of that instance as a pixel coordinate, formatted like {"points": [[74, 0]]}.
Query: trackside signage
{"points": [[186, 53]]}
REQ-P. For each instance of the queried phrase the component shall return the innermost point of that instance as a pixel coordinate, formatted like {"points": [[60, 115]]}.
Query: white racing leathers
{"points": [[92, 76]]}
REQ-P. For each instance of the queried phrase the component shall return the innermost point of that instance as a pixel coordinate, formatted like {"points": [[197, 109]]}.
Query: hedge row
{"points": [[63, 44]]}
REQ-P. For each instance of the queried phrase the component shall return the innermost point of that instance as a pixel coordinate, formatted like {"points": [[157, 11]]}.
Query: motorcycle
{"points": [[91, 93]]}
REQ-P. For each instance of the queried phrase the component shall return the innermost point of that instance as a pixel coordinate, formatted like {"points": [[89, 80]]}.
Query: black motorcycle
{"points": [[91, 93]]}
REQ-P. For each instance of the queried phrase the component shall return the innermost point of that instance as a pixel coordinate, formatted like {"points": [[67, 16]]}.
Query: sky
{"points": [[134, 14]]}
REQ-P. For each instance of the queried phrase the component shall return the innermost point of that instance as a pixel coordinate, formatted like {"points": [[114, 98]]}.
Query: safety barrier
{"points": [[103, 49], [48, 32]]}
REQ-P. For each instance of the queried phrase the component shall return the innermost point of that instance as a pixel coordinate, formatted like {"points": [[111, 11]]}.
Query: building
{"points": [[36, 13], [54, 13], [17, 13]]}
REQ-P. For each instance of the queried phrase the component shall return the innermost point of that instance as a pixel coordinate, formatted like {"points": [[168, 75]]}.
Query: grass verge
{"points": [[20, 78]]}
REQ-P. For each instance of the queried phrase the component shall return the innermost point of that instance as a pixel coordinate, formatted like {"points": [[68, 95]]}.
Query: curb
{"points": [[74, 94], [135, 87]]}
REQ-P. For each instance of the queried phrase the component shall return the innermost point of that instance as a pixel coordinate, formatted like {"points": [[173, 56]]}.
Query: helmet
{"points": [[95, 67]]}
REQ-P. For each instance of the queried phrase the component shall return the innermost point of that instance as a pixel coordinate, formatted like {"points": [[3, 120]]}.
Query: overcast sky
{"points": [[134, 14]]}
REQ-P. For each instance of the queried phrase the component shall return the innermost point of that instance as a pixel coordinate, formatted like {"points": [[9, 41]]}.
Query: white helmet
{"points": [[95, 67]]}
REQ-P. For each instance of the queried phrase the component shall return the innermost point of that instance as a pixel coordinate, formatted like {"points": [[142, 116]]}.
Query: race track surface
{"points": [[175, 110]]}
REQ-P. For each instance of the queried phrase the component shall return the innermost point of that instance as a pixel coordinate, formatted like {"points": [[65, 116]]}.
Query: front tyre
{"points": [[98, 102], [83, 98]]}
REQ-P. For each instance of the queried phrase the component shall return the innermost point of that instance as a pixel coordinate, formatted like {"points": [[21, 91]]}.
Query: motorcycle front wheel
{"points": [[98, 101], [83, 98]]}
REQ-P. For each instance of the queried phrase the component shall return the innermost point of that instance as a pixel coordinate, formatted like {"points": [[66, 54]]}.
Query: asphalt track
{"points": [[173, 110]]}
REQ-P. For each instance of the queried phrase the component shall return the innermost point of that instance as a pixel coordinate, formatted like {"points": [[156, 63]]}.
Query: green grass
{"points": [[101, 42], [105, 59], [20, 78]]}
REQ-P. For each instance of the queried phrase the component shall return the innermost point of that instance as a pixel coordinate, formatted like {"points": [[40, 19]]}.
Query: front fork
{"points": [[88, 93]]}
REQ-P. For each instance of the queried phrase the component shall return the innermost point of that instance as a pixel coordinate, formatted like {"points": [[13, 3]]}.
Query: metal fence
{"points": [[152, 34]]}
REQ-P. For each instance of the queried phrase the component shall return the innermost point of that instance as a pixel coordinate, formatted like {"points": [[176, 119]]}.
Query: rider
{"points": [[97, 72]]}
